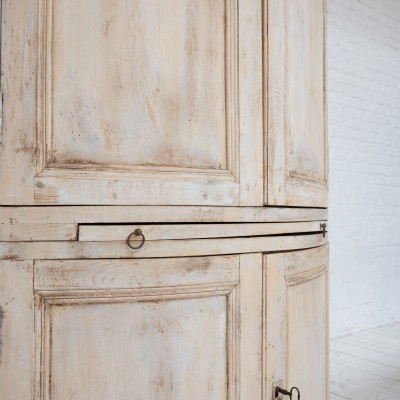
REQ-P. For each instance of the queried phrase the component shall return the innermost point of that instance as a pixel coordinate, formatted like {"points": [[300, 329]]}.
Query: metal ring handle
{"points": [[136, 232]]}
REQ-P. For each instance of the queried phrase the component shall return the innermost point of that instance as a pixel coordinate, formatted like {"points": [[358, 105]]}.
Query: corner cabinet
{"points": [[163, 221]]}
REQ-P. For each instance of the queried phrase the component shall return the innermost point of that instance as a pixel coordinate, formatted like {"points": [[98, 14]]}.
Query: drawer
{"points": [[140, 247], [120, 232], [97, 241]]}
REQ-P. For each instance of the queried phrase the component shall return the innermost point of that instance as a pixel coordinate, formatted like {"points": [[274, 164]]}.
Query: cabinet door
{"points": [[297, 322], [296, 107], [139, 102], [176, 329]]}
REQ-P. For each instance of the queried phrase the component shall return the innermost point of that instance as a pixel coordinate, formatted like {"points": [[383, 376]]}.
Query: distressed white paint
{"points": [[296, 286], [169, 325], [132, 103], [297, 169]]}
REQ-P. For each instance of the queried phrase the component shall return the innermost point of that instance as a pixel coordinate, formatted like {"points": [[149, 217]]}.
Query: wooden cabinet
{"points": [[200, 122]]}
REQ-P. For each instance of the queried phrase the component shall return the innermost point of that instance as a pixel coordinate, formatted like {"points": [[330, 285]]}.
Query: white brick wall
{"points": [[364, 135]]}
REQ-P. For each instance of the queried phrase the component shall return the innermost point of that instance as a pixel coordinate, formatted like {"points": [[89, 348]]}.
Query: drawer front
{"points": [[101, 232], [159, 248]]}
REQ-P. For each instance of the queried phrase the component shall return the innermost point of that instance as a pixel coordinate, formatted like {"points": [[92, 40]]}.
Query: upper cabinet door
{"points": [[141, 102], [296, 128]]}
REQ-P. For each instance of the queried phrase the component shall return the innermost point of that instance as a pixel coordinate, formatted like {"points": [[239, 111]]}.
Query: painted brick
{"points": [[364, 148]]}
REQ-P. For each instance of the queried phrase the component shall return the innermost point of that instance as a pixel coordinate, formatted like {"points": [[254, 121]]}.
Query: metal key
{"points": [[285, 392]]}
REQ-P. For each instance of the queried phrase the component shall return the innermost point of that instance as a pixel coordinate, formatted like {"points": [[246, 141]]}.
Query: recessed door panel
{"points": [[155, 348], [305, 90], [139, 83], [296, 131]]}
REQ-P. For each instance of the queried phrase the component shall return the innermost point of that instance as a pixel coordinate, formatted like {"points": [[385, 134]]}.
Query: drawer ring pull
{"points": [[136, 232]]}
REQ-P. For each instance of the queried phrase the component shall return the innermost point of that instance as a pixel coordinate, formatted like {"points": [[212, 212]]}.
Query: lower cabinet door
{"points": [[297, 322], [150, 329]]}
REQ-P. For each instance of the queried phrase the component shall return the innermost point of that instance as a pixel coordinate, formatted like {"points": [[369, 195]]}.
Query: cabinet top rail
{"points": [[155, 214]]}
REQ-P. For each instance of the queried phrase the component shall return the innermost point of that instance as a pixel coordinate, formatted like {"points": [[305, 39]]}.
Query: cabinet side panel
{"points": [[16, 329], [296, 109]]}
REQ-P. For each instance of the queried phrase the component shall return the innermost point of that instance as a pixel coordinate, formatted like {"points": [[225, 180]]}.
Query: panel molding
{"points": [[48, 167], [284, 185], [293, 279], [45, 301]]}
